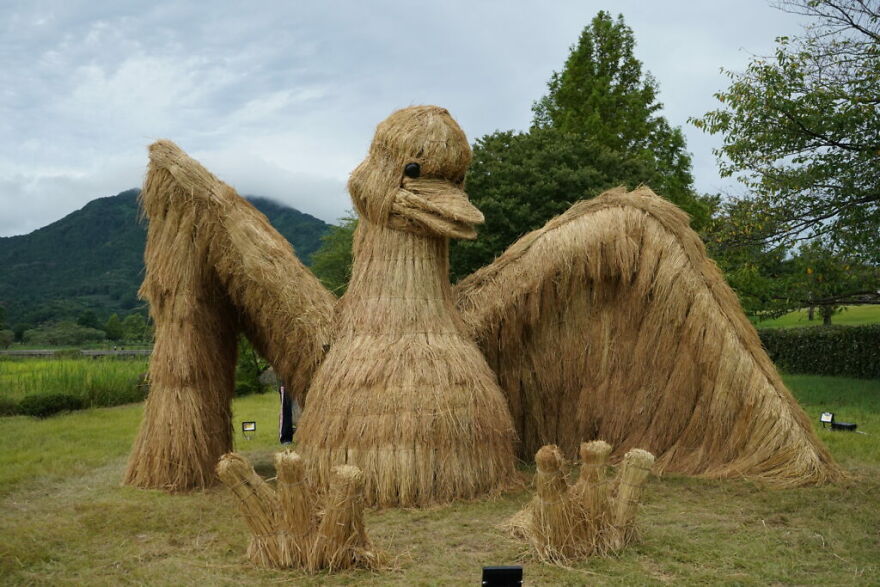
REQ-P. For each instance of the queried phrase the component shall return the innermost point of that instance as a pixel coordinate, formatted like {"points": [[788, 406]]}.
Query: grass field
{"points": [[849, 316], [66, 519]]}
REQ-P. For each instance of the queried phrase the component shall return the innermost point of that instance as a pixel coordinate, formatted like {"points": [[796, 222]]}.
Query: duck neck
{"points": [[399, 284]]}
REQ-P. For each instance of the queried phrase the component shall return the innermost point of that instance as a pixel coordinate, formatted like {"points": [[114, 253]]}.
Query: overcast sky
{"points": [[281, 98]]}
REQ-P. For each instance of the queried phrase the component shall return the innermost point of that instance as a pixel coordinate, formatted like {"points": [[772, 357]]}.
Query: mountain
{"points": [[92, 259]]}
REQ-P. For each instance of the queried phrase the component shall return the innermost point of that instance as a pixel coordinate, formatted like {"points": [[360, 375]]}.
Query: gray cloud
{"points": [[282, 100]]}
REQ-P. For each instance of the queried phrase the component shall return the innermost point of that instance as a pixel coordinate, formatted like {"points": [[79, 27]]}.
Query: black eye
{"points": [[412, 170]]}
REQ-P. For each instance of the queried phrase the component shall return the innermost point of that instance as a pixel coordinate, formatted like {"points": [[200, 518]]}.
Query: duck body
{"points": [[403, 392]]}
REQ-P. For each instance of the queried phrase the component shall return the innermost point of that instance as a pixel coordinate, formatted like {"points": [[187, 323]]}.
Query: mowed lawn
{"points": [[66, 519], [849, 316]]}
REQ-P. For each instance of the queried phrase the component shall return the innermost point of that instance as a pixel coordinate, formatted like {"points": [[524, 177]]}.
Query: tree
{"points": [[331, 263], [19, 329], [113, 328], [2, 316], [772, 280], [802, 131], [89, 319], [62, 334], [6, 338], [597, 127], [827, 279], [134, 327], [248, 368]]}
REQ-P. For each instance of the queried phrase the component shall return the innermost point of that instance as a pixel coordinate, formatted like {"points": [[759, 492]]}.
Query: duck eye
{"points": [[412, 170]]}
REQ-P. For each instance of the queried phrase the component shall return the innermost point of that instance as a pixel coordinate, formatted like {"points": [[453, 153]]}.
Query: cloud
{"points": [[282, 100]]}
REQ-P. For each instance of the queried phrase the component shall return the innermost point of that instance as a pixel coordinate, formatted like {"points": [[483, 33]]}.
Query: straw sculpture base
{"points": [[593, 517], [289, 530]]}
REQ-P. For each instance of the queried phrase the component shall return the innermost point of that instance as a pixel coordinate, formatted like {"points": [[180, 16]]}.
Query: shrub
{"points": [[46, 404], [852, 351], [8, 407]]}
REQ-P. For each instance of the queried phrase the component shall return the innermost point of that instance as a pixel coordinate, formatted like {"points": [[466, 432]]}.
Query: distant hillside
{"points": [[92, 259]]}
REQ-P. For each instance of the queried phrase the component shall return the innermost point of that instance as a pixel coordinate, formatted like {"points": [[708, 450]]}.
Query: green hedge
{"points": [[852, 351], [44, 405]]}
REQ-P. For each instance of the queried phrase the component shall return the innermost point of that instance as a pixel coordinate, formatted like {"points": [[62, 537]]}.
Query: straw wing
{"points": [[214, 267], [611, 322]]}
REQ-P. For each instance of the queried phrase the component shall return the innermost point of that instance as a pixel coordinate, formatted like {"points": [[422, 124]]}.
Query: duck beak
{"points": [[439, 206]]}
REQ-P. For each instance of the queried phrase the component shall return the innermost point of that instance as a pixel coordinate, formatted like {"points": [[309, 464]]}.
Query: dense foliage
{"points": [[332, 262], [248, 368], [802, 131], [824, 350], [772, 280], [64, 333], [598, 127]]}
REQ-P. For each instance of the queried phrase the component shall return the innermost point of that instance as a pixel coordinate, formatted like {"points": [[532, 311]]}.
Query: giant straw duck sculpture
{"points": [[609, 322]]}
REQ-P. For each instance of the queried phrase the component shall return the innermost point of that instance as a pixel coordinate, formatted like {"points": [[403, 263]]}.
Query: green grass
{"points": [[96, 380], [849, 316], [104, 345], [67, 520]]}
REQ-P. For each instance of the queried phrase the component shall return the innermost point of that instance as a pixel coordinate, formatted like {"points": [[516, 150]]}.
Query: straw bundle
{"points": [[214, 266], [259, 507], [611, 322], [549, 523], [297, 516], [341, 541], [591, 489], [564, 523], [285, 530], [633, 472], [403, 392]]}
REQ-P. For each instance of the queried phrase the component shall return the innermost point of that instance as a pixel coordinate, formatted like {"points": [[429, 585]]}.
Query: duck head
{"points": [[413, 176]]}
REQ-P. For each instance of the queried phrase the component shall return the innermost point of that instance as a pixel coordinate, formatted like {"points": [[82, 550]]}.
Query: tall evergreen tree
{"points": [[602, 93], [597, 127]]}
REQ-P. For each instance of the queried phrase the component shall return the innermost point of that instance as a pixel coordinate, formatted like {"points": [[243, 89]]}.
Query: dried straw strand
{"points": [[214, 267], [404, 393], [591, 489]]}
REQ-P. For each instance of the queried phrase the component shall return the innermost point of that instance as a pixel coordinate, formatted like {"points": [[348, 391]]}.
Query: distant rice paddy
{"points": [[102, 381]]}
